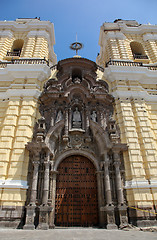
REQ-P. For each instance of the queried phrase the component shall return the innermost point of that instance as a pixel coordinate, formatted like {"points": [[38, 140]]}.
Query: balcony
{"points": [[13, 55], [141, 58]]}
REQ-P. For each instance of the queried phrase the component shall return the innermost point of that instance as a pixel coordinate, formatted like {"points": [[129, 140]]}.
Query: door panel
{"points": [[76, 194]]}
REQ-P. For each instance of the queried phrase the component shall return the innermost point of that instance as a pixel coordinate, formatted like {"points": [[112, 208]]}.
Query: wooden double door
{"points": [[76, 193]]}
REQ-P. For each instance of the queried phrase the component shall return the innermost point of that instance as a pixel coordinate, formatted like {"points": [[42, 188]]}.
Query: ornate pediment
{"points": [[77, 110]]}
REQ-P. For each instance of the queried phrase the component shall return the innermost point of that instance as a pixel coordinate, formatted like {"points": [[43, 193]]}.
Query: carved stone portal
{"points": [[77, 120]]}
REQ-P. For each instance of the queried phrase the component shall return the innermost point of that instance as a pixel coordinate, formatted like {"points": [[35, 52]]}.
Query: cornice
{"points": [[6, 33], [140, 184], [20, 93], [13, 184], [150, 36], [37, 71], [132, 73], [139, 95]]}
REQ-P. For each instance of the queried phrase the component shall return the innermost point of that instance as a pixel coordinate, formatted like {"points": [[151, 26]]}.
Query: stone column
{"points": [[34, 183], [52, 214], [45, 208], [66, 122], [87, 119], [109, 208], [52, 117], [121, 206], [30, 209], [101, 119], [51, 182], [100, 199], [46, 183], [107, 183], [119, 189]]}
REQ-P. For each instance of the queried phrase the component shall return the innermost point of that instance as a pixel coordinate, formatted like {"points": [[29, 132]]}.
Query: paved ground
{"points": [[76, 234]]}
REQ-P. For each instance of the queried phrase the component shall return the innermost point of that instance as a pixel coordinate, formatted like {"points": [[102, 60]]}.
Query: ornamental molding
{"points": [[36, 71], [13, 184], [140, 184], [131, 73], [6, 33], [20, 93], [149, 36], [143, 95], [114, 35]]}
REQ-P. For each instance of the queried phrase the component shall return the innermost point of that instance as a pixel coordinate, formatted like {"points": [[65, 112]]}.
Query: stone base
{"points": [[30, 214], [146, 223], [43, 217], [123, 215], [43, 226], [29, 227], [11, 216], [110, 213], [111, 226], [10, 224], [142, 218], [52, 226]]}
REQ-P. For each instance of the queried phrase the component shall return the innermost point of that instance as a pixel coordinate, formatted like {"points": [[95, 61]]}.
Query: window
{"points": [[138, 51], [16, 48]]}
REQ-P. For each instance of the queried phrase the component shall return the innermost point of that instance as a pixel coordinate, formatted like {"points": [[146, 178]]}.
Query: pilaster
{"points": [[29, 47]]}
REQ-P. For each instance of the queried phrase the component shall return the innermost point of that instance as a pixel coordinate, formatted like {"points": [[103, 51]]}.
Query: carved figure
{"points": [[94, 116], [76, 118]]}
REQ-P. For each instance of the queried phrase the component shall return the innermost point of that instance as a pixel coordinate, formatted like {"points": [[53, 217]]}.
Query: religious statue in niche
{"points": [[94, 116], [76, 118], [59, 116]]}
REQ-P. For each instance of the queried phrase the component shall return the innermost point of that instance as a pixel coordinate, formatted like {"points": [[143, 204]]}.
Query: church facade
{"points": [[78, 142]]}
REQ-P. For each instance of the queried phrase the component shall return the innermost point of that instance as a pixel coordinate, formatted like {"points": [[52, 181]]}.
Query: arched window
{"points": [[138, 51], [16, 48]]}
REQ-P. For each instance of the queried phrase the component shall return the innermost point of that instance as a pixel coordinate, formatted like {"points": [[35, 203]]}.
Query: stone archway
{"points": [[76, 193]]}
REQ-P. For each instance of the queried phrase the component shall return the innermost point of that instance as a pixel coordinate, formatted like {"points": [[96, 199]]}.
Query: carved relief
{"points": [[77, 114]]}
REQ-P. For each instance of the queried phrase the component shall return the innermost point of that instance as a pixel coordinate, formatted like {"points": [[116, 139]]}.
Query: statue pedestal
{"points": [[30, 214], [110, 217], [123, 215], [43, 217]]}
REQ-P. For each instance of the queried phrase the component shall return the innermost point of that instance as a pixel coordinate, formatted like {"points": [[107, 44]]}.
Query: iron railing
{"points": [[24, 61], [13, 54], [129, 64], [138, 56]]}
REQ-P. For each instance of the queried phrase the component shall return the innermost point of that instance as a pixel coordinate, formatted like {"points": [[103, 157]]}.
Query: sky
{"points": [[83, 17]]}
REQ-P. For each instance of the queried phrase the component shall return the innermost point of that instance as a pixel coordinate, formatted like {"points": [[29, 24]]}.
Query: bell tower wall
{"points": [[26, 54]]}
